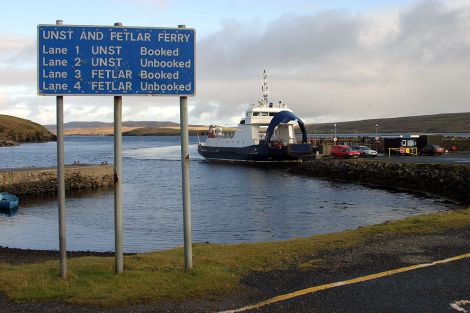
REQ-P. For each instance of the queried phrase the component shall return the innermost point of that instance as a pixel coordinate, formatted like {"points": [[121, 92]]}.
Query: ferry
{"points": [[265, 134]]}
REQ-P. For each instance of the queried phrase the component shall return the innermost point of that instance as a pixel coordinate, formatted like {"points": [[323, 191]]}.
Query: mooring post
{"points": [[61, 181], [119, 254], [188, 251]]}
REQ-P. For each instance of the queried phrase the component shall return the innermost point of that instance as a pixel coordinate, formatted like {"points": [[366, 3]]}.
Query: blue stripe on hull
{"points": [[254, 153]]}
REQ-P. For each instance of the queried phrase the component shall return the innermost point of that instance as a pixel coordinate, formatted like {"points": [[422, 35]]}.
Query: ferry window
{"points": [[272, 114], [264, 114], [255, 113]]}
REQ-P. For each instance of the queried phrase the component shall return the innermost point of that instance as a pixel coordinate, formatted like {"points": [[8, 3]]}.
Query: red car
{"points": [[344, 152], [432, 150]]}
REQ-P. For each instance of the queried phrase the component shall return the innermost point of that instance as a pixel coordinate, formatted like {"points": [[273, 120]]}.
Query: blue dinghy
{"points": [[8, 201]]}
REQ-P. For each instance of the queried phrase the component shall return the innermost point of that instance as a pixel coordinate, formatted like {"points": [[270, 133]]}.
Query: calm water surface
{"points": [[230, 203]]}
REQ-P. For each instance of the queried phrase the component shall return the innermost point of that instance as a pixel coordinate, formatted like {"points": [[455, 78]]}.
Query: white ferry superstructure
{"points": [[265, 134]]}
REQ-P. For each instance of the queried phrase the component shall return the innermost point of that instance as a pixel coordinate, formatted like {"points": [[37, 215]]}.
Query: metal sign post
{"points": [[61, 182], [188, 250], [119, 254], [118, 241]]}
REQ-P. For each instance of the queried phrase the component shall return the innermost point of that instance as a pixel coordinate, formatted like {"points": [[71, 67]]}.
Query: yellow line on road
{"points": [[345, 282]]}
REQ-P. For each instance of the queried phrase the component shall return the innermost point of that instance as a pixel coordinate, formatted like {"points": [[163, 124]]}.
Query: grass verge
{"points": [[159, 276]]}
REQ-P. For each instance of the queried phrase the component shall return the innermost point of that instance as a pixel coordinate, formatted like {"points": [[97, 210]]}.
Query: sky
{"points": [[329, 61]]}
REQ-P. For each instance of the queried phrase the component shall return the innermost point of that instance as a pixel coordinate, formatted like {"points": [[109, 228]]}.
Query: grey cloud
{"points": [[323, 66], [430, 32], [17, 76], [291, 40], [204, 108], [17, 51]]}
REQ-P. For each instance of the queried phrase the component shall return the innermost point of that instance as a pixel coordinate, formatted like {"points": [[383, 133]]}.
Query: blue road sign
{"points": [[97, 60]]}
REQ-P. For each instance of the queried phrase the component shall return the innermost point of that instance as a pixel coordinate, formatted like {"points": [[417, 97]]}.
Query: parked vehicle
{"points": [[432, 150], [365, 151], [344, 152]]}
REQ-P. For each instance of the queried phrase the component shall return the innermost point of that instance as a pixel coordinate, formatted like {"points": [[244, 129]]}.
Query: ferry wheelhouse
{"points": [[265, 134]]}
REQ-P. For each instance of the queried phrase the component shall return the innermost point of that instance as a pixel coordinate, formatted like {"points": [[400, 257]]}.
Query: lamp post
{"points": [[376, 136], [335, 133]]}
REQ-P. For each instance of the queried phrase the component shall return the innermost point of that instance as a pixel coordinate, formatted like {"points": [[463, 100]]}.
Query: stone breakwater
{"points": [[447, 180], [44, 180]]}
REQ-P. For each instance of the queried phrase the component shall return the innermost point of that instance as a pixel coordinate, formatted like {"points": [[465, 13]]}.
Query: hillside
{"points": [[15, 130], [93, 131], [438, 123], [96, 125], [165, 131]]}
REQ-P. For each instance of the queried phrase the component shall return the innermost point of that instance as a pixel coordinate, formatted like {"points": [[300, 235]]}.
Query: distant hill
{"points": [[437, 123], [75, 125], [165, 131], [94, 131], [129, 128], [16, 130]]}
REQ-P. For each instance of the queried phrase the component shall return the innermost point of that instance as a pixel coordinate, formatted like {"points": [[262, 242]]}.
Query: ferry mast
{"points": [[264, 88]]}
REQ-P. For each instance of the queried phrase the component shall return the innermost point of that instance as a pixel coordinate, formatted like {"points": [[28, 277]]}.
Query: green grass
{"points": [[21, 130], [159, 276]]}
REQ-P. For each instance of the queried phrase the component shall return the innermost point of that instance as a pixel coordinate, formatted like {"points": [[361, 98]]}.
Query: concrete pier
{"points": [[33, 180]]}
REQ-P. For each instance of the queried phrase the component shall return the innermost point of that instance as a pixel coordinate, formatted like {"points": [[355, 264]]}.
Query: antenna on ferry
{"points": [[264, 89]]}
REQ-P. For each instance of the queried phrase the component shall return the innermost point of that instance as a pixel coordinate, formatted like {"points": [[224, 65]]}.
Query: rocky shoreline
{"points": [[450, 181], [8, 143], [25, 256], [35, 180]]}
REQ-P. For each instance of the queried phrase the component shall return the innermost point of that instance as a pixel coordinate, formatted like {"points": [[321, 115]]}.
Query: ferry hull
{"points": [[253, 153]]}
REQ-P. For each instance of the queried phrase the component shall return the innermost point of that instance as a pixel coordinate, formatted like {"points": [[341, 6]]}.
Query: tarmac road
{"points": [[432, 289], [452, 157], [429, 289]]}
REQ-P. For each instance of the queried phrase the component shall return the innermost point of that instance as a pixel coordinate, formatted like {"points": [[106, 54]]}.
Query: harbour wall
{"points": [[44, 180], [451, 181]]}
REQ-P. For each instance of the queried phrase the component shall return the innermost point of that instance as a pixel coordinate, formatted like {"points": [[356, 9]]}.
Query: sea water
{"points": [[230, 203]]}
